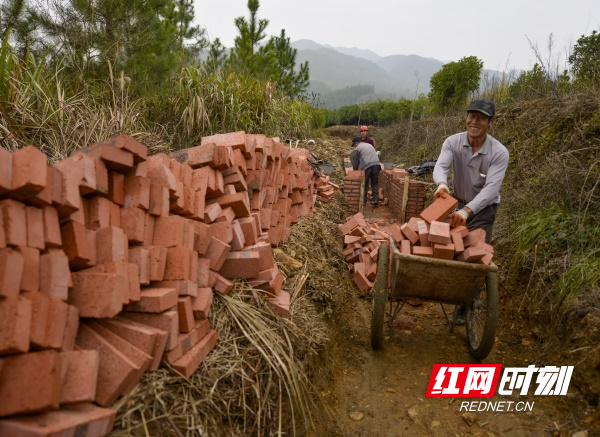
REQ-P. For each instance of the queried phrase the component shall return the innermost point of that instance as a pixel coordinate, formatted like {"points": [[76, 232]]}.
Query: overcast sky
{"points": [[447, 30]]}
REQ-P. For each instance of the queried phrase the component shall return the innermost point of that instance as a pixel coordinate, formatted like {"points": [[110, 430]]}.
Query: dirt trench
{"points": [[370, 392]]}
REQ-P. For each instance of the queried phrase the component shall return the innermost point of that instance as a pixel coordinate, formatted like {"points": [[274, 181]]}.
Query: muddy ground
{"points": [[382, 393]]}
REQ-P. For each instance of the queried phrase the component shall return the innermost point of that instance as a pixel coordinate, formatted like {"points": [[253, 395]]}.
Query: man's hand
{"points": [[442, 191], [458, 218]]}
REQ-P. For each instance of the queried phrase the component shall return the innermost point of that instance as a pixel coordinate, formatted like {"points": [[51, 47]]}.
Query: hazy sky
{"points": [[447, 30]]}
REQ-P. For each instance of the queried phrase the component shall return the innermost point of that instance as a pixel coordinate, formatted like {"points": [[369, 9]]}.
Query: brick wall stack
{"points": [[353, 186], [392, 182], [109, 260]]}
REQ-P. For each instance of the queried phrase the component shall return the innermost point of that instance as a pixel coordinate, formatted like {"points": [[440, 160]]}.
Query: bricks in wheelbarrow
{"points": [[85, 420]]}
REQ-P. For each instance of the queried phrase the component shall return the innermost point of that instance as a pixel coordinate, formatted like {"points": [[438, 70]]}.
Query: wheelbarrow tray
{"points": [[430, 279]]}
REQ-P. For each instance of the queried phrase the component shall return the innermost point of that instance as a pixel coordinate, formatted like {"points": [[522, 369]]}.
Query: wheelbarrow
{"points": [[401, 277]]}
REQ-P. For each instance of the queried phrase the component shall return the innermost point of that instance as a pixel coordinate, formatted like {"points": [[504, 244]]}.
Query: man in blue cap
{"points": [[480, 163]]}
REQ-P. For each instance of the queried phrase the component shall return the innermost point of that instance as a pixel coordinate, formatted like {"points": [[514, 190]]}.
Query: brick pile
{"points": [[109, 260]]}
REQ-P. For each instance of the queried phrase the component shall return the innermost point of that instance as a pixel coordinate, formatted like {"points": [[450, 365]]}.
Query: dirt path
{"points": [[382, 393]]}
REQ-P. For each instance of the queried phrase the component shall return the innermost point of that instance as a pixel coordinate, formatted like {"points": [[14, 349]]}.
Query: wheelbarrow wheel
{"points": [[380, 294], [482, 317]]}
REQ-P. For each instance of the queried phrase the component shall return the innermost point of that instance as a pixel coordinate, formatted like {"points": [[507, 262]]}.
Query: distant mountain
{"points": [[337, 72]]}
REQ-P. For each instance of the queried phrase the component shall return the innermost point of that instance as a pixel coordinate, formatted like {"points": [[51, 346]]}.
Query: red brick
{"points": [[134, 283], [30, 382], [158, 260], [186, 314], [125, 142], [222, 231], [360, 279], [270, 281], [439, 209], [241, 265], [281, 303], [201, 304], [79, 173], [203, 279], [238, 201], [149, 224], [422, 251], [12, 263], [236, 140], [154, 300], [98, 294], [115, 371], [212, 212], [114, 158], [457, 240], [51, 227], [55, 274], [115, 215], [166, 321], [162, 175], [409, 233], [98, 215], [69, 420], [217, 253], [173, 231], [75, 244], [474, 237], [148, 339], [486, 259], [71, 328], [30, 279], [183, 287], [196, 156], [202, 233], [443, 251], [133, 223], [5, 170], [460, 230], [178, 264], [141, 257], [116, 188], [471, 254], [29, 172], [159, 200], [137, 192], [110, 245], [14, 218], [40, 319], [80, 377], [35, 227], [439, 232], [190, 361], [220, 284], [239, 241], [16, 315]]}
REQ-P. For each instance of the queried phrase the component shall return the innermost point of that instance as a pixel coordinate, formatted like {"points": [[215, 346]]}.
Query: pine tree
{"points": [[292, 82]]}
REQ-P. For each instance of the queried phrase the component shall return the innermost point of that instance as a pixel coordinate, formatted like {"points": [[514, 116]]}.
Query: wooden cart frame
{"points": [[402, 277]]}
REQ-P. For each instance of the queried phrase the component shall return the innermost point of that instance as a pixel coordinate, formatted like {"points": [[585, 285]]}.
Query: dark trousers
{"points": [[372, 178], [484, 219]]}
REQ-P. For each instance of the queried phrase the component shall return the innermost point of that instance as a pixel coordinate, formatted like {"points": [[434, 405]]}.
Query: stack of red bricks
{"points": [[362, 240], [109, 260], [431, 236], [325, 188]]}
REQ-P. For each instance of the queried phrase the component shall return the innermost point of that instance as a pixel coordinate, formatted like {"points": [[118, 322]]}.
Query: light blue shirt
{"points": [[477, 177]]}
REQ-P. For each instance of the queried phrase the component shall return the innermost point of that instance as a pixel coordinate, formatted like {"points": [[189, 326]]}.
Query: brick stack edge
{"points": [[428, 235], [110, 257]]}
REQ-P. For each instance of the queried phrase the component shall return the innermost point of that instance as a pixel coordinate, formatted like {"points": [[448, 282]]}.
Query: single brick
{"points": [[133, 223], [405, 247], [471, 254], [443, 251], [71, 328], [219, 283], [137, 192], [110, 245], [360, 279], [439, 232], [154, 300], [270, 281], [178, 264], [98, 294], [486, 259], [134, 283], [125, 142], [239, 241], [189, 362], [5, 170], [29, 172], [116, 188], [55, 274], [281, 303], [217, 253], [238, 201], [12, 263], [98, 215], [186, 314], [16, 315], [409, 233], [158, 261], [114, 158], [14, 222], [30, 382], [52, 236], [459, 245], [241, 265], [474, 237], [159, 200], [203, 278], [35, 227], [81, 376], [141, 257], [422, 251], [202, 234], [76, 244], [202, 302], [439, 209], [115, 370], [423, 233], [460, 230], [167, 321], [30, 279]]}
